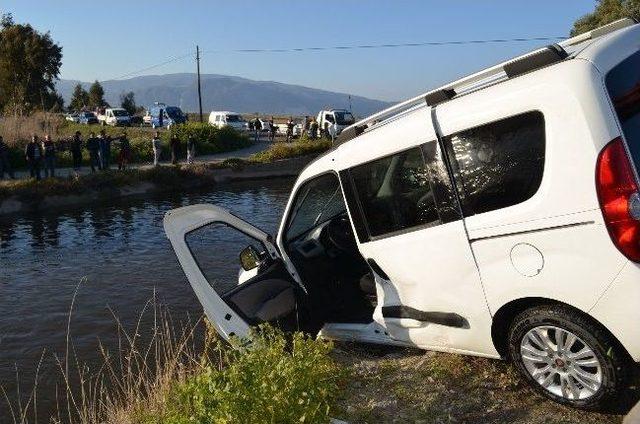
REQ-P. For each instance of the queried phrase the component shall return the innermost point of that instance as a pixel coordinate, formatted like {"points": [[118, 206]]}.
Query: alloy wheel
{"points": [[561, 362]]}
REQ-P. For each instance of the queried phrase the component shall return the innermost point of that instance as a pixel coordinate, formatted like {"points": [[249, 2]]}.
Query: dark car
{"points": [[87, 118]]}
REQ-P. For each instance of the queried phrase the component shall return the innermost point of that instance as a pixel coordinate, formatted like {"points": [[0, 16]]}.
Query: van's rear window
{"points": [[623, 83]]}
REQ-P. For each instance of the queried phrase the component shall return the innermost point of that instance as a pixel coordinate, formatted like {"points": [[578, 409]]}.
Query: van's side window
{"points": [[395, 193], [500, 164]]}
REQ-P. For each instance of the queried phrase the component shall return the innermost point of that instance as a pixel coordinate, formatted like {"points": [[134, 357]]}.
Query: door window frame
{"points": [[287, 219], [356, 211]]}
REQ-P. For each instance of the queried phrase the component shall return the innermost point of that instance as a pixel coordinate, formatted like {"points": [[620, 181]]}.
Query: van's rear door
{"points": [[623, 84]]}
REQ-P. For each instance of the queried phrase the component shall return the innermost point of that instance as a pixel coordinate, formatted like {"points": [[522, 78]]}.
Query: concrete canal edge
{"points": [[245, 172]]}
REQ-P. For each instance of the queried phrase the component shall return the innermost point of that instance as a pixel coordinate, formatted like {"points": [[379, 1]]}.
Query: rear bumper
{"points": [[619, 309]]}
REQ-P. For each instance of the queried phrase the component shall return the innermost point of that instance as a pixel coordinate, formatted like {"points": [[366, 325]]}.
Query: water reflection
{"points": [[120, 247]]}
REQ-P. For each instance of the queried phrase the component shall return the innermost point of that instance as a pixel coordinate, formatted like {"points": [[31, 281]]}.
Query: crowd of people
{"points": [[310, 127], [41, 155]]}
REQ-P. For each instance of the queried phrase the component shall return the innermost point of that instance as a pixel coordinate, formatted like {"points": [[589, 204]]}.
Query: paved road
{"points": [[219, 157]]}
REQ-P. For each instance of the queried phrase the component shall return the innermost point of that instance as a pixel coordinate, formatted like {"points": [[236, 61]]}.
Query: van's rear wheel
{"points": [[567, 357]]}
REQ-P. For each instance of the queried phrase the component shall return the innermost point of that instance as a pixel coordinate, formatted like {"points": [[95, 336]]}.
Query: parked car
{"points": [[71, 117], [282, 129], [137, 120], [87, 118], [222, 119], [161, 115], [496, 216], [332, 122]]}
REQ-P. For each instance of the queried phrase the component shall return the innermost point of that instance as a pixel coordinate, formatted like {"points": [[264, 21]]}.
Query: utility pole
{"points": [[199, 90], [350, 110]]}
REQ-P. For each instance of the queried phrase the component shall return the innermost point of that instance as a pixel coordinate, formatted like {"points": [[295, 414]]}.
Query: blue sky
{"points": [[106, 39]]}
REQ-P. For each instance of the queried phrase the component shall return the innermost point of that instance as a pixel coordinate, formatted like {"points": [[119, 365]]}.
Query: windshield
{"points": [[120, 112], [623, 84], [234, 118], [344, 118], [317, 202], [174, 112]]}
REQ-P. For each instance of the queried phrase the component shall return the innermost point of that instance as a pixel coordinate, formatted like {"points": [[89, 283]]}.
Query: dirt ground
{"points": [[389, 385]]}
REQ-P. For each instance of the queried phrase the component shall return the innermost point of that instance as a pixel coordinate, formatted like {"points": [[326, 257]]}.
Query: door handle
{"points": [[376, 269]]}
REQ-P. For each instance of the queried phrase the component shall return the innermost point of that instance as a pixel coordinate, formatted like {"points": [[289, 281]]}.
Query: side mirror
{"points": [[249, 258]]}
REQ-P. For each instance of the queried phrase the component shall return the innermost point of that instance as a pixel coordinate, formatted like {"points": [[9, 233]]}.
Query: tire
{"points": [[591, 352]]}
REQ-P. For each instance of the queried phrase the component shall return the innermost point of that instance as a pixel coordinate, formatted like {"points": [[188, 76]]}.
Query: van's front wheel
{"points": [[567, 357]]}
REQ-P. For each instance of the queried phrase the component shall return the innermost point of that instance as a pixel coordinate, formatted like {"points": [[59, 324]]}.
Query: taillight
{"points": [[619, 198]]}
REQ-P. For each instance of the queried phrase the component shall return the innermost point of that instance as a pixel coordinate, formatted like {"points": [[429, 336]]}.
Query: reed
{"points": [[168, 372]]}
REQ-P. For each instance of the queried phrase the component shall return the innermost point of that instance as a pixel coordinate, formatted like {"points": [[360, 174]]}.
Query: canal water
{"points": [[120, 252]]}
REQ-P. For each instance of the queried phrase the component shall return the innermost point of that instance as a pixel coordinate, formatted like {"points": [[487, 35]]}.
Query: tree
{"points": [[96, 96], [606, 12], [128, 102], [79, 98], [53, 102], [29, 66]]}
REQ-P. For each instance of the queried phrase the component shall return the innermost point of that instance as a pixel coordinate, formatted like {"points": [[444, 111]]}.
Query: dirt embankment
{"points": [[54, 195]]}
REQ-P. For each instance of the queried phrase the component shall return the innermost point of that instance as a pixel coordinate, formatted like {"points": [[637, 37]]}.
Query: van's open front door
{"points": [[266, 292]]}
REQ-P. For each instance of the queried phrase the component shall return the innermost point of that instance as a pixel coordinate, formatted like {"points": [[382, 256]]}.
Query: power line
{"points": [[386, 46], [345, 47]]}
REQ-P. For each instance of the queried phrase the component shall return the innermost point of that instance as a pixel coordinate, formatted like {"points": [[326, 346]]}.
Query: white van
{"points": [[332, 122], [221, 119], [497, 216], [116, 116]]}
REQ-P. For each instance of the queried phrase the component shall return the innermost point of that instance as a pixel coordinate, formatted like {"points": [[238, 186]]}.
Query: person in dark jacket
{"points": [[49, 150], [174, 144], [93, 146], [125, 151], [105, 150], [290, 125], [272, 130], [5, 164], [191, 149], [257, 127], [76, 151], [33, 154]]}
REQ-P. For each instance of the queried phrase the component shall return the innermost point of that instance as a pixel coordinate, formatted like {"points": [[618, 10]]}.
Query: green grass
{"points": [[275, 379], [283, 150]]}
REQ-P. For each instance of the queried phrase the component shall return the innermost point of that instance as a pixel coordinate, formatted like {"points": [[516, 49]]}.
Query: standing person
{"points": [[105, 150], [257, 127], [76, 151], [93, 146], [290, 126], [157, 148], [125, 151], [174, 143], [272, 130], [191, 149], [33, 154], [49, 149], [305, 126], [314, 129], [5, 164]]}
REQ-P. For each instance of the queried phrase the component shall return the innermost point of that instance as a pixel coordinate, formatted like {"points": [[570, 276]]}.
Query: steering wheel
{"points": [[340, 234]]}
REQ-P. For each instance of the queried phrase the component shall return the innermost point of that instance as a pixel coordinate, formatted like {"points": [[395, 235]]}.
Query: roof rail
{"points": [[598, 32], [511, 68]]}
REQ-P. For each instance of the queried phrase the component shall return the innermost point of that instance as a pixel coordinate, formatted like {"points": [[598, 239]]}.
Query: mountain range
{"points": [[221, 92]]}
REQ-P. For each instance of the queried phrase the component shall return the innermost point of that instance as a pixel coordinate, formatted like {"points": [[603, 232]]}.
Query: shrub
{"points": [[271, 380], [279, 151], [210, 139]]}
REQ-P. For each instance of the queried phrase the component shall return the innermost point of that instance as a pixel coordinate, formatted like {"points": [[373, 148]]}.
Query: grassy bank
{"points": [[162, 372], [209, 140], [169, 177], [413, 386]]}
